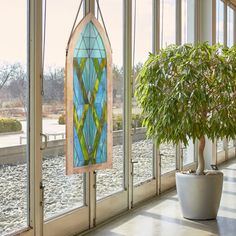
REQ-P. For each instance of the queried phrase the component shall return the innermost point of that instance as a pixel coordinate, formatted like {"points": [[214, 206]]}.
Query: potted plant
{"points": [[189, 92]]}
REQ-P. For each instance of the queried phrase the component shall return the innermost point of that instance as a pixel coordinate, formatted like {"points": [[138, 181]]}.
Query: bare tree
{"points": [[54, 84], [117, 81], [6, 73], [18, 85]]}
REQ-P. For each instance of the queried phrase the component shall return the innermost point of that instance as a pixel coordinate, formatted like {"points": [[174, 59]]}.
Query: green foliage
{"points": [[189, 91], [137, 121], [62, 119], [117, 121], [9, 125]]}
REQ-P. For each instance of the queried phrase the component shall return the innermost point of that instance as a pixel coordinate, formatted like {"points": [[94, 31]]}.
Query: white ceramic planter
{"points": [[199, 195]]}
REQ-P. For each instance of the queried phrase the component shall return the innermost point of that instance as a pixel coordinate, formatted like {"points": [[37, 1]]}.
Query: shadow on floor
{"points": [[230, 169], [230, 179], [102, 233], [173, 199], [221, 226], [229, 192], [226, 226], [210, 225]]}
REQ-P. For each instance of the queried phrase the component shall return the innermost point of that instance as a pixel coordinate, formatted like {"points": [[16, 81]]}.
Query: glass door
{"points": [[144, 183], [14, 117], [221, 150], [188, 155], [111, 196], [220, 17], [168, 151], [65, 196]]}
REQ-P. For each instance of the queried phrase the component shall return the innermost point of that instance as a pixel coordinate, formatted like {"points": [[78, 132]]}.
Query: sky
{"points": [[60, 18], [13, 30]]}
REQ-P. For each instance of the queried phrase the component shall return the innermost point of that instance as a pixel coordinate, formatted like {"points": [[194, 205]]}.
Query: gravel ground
{"points": [[62, 192]]}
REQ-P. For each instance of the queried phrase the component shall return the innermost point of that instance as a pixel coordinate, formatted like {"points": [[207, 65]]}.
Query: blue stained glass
{"points": [[82, 54], [82, 45], [103, 54], [75, 160], [92, 42], [95, 46], [93, 130], [101, 94], [93, 32], [98, 108], [86, 129], [96, 54], [78, 160], [86, 32], [77, 91], [80, 109], [86, 76], [101, 156], [93, 74], [87, 44], [100, 44], [91, 127]]}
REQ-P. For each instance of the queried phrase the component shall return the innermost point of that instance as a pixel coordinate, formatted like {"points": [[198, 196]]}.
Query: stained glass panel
{"points": [[90, 98]]}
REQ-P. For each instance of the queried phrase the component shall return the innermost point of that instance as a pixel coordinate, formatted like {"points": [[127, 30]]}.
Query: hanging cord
{"points": [[98, 12], [134, 46], [99, 9], [43, 46], [76, 17]]}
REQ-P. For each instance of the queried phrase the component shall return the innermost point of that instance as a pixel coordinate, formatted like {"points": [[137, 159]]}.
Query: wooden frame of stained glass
{"points": [[88, 93]]}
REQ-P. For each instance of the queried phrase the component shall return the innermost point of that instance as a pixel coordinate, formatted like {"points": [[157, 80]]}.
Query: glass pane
{"points": [[167, 37], [62, 192], [188, 21], [167, 22], [188, 153], [13, 117], [142, 148], [219, 22], [231, 143], [168, 157], [220, 145], [230, 27], [111, 181], [231, 148]]}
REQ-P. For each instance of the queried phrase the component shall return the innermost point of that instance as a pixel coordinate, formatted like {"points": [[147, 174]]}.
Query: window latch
{"points": [[45, 141]]}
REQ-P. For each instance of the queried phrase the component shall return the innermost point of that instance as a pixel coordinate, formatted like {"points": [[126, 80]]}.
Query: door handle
{"points": [[45, 141]]}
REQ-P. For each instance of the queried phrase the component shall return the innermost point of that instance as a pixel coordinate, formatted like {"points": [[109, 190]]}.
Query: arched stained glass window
{"points": [[88, 98]]}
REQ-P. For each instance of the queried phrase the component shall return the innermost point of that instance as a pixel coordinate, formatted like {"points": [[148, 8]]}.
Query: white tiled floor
{"points": [[163, 216]]}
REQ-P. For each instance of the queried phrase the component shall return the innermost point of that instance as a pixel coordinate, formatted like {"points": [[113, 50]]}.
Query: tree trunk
{"points": [[201, 161]]}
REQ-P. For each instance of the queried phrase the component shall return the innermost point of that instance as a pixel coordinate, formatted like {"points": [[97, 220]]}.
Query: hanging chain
{"points": [[44, 36], [76, 17], [98, 12], [99, 9]]}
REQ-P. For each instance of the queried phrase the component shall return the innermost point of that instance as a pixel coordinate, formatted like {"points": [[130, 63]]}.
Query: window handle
{"points": [[45, 141]]}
